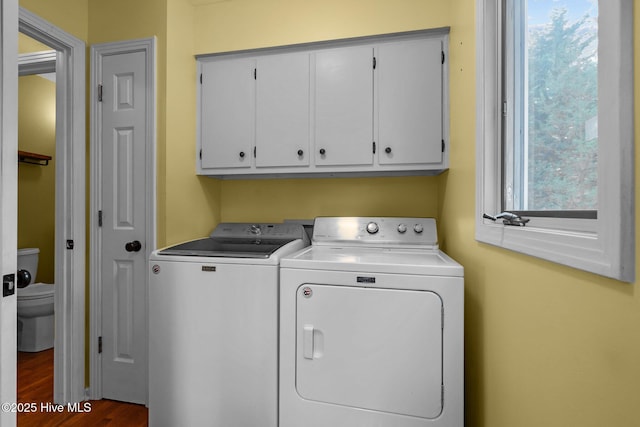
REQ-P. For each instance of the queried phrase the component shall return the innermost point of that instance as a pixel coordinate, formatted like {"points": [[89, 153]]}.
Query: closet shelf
{"points": [[33, 158]]}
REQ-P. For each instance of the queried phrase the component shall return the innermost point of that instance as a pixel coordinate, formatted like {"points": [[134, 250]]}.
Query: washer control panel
{"points": [[372, 231], [231, 230]]}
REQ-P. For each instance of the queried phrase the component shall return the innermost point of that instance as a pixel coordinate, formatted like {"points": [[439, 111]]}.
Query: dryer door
{"points": [[376, 349]]}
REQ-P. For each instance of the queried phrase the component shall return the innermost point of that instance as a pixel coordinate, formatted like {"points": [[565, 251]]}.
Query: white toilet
{"points": [[35, 307]]}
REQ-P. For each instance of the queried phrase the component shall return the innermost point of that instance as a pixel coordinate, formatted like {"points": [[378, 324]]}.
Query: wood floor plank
{"points": [[35, 386]]}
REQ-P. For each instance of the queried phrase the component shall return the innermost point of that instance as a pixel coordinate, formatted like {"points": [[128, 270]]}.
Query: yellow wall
{"points": [[545, 345], [36, 184], [69, 15], [191, 204]]}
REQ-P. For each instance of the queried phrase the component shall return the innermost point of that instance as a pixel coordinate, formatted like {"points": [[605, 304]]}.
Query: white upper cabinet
{"points": [[227, 113], [344, 106], [367, 106], [282, 110], [410, 102]]}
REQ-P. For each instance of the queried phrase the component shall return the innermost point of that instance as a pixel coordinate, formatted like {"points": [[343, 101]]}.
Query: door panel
{"points": [[123, 282], [377, 349], [344, 106], [8, 201], [282, 110], [228, 113], [410, 102]]}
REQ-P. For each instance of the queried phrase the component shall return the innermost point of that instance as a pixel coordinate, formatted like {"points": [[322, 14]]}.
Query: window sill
{"points": [[581, 250]]}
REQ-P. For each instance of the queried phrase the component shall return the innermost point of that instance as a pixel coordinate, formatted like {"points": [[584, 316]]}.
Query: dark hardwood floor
{"points": [[35, 391]]}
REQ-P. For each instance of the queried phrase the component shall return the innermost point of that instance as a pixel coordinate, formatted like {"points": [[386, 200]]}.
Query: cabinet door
{"points": [[410, 102], [282, 110], [227, 113], [344, 106]]}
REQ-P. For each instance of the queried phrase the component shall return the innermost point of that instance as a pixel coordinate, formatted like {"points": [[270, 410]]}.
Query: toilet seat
{"points": [[36, 291]]}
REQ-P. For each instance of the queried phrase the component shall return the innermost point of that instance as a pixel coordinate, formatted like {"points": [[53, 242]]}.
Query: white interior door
{"points": [[8, 201], [124, 216]]}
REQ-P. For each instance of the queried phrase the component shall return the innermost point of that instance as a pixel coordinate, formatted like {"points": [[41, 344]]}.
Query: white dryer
{"points": [[371, 327], [213, 330]]}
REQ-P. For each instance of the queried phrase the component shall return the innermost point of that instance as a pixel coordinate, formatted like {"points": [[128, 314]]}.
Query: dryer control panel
{"points": [[376, 232]]}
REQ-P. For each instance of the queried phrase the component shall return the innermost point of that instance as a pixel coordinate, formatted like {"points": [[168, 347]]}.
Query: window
{"points": [[555, 131], [550, 113]]}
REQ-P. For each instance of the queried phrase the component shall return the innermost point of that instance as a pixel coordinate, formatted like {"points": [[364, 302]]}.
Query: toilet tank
{"points": [[28, 260]]}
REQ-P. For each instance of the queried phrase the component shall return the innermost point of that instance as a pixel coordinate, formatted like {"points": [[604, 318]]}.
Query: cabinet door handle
{"points": [[242, 154], [387, 150], [322, 151], [300, 153]]}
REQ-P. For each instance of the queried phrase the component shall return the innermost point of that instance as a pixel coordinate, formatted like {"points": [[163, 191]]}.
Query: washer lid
{"points": [[374, 260], [227, 248], [241, 240]]}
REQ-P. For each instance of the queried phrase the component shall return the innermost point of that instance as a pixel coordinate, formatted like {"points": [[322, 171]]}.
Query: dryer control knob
{"points": [[372, 228], [402, 228], [418, 228]]}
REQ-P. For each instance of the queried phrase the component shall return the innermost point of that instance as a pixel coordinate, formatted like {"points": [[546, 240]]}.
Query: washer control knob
{"points": [[255, 229], [402, 228], [372, 228], [418, 228]]}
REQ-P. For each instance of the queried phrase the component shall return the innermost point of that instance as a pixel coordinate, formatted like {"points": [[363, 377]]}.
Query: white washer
{"points": [[371, 327], [213, 330]]}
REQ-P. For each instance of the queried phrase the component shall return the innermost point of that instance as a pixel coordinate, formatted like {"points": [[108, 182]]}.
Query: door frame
{"points": [[70, 210], [8, 199], [98, 51]]}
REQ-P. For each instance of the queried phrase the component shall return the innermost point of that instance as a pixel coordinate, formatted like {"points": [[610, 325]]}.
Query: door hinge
{"points": [[504, 108], [254, 152], [374, 147], [443, 56], [201, 154], [374, 62], [70, 244], [99, 218], [99, 344], [255, 74], [200, 78], [443, 145], [99, 93]]}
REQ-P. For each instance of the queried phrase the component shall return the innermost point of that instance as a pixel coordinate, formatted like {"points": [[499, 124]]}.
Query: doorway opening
{"points": [[69, 236]]}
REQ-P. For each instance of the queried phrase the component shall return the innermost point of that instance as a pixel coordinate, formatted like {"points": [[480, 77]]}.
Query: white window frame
{"points": [[605, 245]]}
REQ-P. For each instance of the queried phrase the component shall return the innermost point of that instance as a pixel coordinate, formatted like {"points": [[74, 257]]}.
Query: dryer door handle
{"points": [[312, 342], [307, 342]]}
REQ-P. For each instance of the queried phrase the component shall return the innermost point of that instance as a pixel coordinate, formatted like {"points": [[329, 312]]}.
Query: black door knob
{"points": [[322, 151], [134, 246], [24, 278], [300, 153], [242, 154], [387, 150]]}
